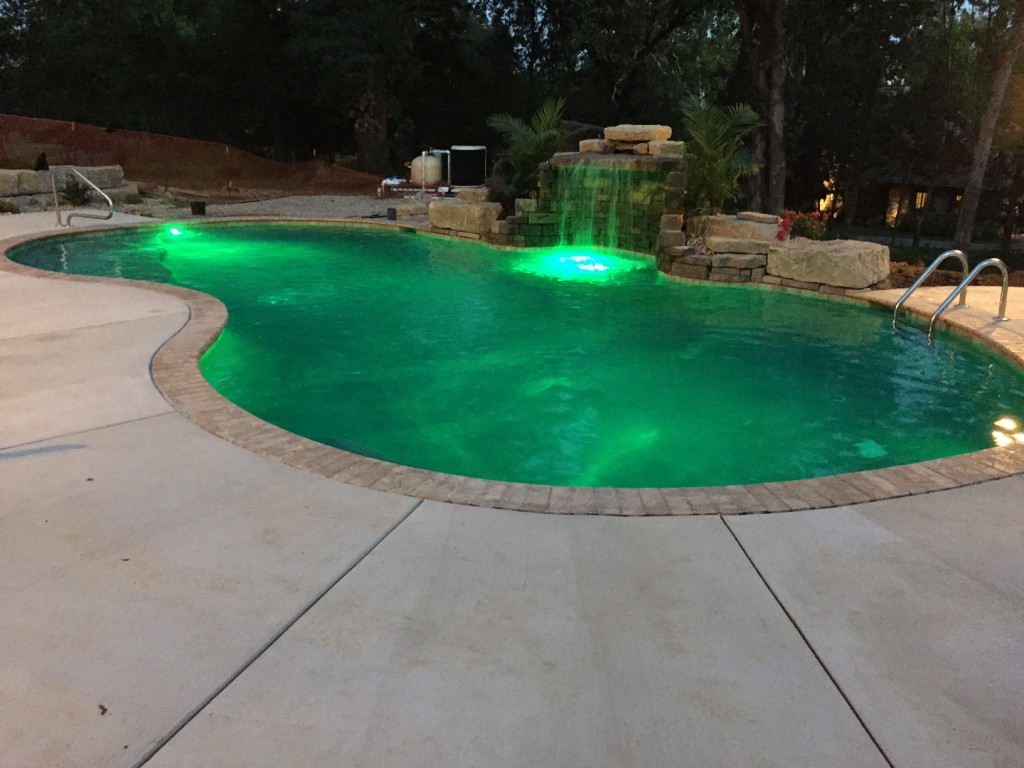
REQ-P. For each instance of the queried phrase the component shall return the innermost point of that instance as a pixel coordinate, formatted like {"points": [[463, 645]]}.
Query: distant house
{"points": [[894, 197]]}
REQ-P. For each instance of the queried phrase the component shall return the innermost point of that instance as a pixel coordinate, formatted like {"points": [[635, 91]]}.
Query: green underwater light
{"points": [[576, 263], [175, 229]]}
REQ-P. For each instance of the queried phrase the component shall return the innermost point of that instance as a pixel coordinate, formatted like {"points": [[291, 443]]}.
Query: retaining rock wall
{"points": [[743, 249], [32, 190]]}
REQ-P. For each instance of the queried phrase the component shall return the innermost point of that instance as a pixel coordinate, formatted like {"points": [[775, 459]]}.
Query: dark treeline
{"points": [[847, 92]]}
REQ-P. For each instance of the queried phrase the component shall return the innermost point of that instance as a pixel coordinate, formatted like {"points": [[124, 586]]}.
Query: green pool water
{"points": [[559, 367]]}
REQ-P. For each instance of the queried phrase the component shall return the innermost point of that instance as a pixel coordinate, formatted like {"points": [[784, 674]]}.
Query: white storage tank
{"points": [[426, 170]]}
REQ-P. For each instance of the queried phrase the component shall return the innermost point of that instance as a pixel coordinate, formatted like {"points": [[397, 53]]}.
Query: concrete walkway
{"points": [[169, 599]]}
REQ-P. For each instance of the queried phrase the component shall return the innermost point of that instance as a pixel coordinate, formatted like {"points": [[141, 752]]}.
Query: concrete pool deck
{"points": [[171, 599]]}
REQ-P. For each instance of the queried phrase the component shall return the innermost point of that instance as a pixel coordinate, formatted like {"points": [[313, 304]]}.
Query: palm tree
{"points": [[527, 145], [716, 154]]}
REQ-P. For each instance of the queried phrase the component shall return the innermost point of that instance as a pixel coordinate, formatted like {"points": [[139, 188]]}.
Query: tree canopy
{"points": [[850, 95]]}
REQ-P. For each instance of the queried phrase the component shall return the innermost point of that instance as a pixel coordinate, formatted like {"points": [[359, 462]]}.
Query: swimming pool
{"points": [[553, 367]]}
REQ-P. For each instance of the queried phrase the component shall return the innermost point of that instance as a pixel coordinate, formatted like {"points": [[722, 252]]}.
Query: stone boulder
{"points": [[464, 216], [26, 182], [763, 218], [473, 194], [526, 205], [738, 260], [720, 244], [732, 227], [596, 145], [35, 182], [638, 133], [626, 162], [841, 263], [103, 176], [8, 183], [661, 147]]}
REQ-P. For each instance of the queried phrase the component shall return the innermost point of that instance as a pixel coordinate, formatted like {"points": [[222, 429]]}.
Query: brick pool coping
{"points": [[175, 372]]}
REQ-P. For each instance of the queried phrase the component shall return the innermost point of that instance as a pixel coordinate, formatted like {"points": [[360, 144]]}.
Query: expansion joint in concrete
{"points": [[807, 642], [194, 712], [25, 446]]}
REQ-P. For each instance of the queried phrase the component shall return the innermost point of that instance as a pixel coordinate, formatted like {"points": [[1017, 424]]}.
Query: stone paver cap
{"points": [[638, 133]]}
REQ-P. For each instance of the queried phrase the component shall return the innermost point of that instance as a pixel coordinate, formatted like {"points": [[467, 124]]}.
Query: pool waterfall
{"points": [[587, 199], [607, 207]]}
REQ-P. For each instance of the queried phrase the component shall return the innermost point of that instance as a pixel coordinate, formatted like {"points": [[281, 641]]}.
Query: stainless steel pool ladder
{"points": [[56, 200], [924, 276], [961, 289]]}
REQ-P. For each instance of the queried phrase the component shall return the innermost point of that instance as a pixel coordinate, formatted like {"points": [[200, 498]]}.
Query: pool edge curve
{"points": [[174, 369]]}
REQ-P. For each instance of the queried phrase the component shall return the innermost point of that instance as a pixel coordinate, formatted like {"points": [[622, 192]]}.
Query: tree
{"points": [[983, 143], [620, 43], [615, 61], [71, 73], [763, 41], [14, 18], [529, 27], [866, 94], [365, 63]]}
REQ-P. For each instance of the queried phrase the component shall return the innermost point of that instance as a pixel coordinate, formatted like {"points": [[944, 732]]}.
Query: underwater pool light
{"points": [[573, 263]]}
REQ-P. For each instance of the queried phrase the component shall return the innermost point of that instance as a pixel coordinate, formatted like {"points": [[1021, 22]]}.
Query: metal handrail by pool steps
{"points": [[924, 276], [67, 222], [961, 289]]}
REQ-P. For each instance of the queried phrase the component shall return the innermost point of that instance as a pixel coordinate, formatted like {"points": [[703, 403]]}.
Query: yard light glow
{"points": [[1002, 439], [1008, 432]]}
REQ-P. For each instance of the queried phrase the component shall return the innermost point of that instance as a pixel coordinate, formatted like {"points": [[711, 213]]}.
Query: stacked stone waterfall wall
{"points": [[589, 205], [610, 194], [626, 191]]}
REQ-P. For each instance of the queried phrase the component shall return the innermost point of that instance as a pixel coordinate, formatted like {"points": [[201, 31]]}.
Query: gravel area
{"points": [[297, 206], [307, 207], [411, 212]]}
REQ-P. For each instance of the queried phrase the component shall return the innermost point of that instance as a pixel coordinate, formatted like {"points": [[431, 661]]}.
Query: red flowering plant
{"points": [[810, 225]]}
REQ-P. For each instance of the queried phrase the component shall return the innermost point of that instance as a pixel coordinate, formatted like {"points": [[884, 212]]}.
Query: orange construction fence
{"points": [[203, 167]]}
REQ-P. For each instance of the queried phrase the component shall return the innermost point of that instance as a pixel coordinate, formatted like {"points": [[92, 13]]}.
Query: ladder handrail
{"points": [[963, 286], [56, 198], [924, 276], [110, 203]]}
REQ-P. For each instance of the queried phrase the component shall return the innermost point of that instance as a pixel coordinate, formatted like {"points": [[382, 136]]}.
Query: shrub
{"points": [[75, 192], [527, 145], [933, 223], [132, 198], [810, 225], [6, 206], [986, 231]]}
